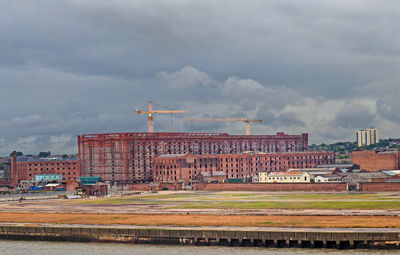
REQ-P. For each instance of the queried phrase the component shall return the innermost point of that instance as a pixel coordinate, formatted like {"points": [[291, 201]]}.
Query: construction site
{"points": [[128, 157], [108, 163]]}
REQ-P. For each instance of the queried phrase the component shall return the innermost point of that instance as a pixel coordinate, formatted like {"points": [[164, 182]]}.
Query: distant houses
{"points": [[345, 173], [284, 177]]}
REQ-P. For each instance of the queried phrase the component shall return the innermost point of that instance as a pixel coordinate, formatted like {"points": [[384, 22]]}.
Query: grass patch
{"points": [[117, 202], [256, 201], [330, 196], [269, 223], [297, 205]]}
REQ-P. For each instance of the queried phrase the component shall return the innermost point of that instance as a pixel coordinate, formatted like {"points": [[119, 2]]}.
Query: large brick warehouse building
{"points": [[186, 167], [376, 160], [25, 168], [128, 157]]}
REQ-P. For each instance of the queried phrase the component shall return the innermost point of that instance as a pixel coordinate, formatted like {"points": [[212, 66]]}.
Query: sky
{"points": [[74, 67]]}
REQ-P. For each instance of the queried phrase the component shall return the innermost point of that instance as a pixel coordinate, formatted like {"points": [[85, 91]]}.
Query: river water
{"points": [[69, 248]]}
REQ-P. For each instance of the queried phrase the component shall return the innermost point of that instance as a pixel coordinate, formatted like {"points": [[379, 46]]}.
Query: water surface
{"points": [[72, 248]]}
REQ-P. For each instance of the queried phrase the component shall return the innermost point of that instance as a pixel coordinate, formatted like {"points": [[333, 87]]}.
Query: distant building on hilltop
{"points": [[367, 137]]}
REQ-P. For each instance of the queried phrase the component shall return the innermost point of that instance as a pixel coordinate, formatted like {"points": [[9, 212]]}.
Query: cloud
{"points": [[186, 78], [284, 119], [63, 143], [34, 144], [354, 115], [280, 108], [247, 93], [72, 67], [389, 109]]}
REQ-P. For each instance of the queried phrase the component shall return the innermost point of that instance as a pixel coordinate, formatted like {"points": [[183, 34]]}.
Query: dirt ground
{"points": [[205, 220], [208, 203], [171, 209]]}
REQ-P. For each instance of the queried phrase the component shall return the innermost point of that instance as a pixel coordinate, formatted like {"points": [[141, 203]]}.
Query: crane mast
{"points": [[150, 113]]}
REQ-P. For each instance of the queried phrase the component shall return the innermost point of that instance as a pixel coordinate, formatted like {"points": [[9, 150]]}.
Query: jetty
{"points": [[342, 238]]}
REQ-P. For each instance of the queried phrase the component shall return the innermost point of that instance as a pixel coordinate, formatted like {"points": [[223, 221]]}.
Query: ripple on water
{"points": [[71, 248]]}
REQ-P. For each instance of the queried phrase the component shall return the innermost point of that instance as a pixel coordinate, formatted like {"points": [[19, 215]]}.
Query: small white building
{"points": [[262, 176], [285, 177], [327, 178], [255, 178]]}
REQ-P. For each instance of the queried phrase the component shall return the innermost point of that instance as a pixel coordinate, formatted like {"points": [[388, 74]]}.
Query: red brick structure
{"points": [[380, 186], [71, 185], [271, 186], [374, 161], [128, 157], [214, 177], [26, 168], [185, 167], [155, 186], [14, 178], [98, 189], [5, 183]]}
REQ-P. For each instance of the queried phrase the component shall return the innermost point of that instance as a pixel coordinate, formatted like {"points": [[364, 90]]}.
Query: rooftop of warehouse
{"points": [[35, 159], [246, 153], [172, 155], [284, 173]]}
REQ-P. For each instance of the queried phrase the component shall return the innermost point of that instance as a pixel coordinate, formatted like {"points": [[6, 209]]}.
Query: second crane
{"points": [[245, 120]]}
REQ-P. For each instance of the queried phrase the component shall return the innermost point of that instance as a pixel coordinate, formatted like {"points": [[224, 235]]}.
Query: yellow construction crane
{"points": [[151, 111], [245, 120]]}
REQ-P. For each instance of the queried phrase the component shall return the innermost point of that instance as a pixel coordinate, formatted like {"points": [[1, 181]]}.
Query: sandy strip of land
{"points": [[76, 207], [205, 220]]}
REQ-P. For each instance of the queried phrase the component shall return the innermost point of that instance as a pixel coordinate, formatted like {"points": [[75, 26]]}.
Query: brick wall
{"points": [[371, 186], [26, 170], [380, 186], [271, 187], [186, 167], [161, 186], [374, 161], [139, 186], [128, 157], [72, 185], [170, 186]]}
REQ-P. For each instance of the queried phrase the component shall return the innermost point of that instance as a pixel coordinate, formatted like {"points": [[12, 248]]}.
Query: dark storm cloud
{"points": [[389, 109], [71, 67], [284, 119], [356, 116], [314, 42]]}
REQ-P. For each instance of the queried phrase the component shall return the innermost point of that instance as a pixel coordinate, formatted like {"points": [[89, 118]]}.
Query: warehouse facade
{"points": [[187, 167], [374, 161], [128, 157], [26, 168]]}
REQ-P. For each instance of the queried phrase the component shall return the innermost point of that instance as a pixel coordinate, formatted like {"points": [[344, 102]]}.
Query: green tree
{"points": [[44, 154], [19, 153]]}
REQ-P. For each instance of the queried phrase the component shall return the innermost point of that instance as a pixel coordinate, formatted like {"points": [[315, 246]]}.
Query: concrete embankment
{"points": [[262, 237], [32, 196]]}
